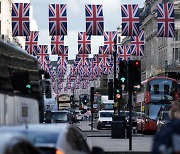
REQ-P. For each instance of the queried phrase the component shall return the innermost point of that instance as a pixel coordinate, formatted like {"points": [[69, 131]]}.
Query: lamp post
{"points": [[114, 54]]}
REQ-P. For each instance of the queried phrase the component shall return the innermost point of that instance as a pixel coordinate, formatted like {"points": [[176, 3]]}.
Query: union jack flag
{"points": [[103, 58], [20, 19], [97, 65], [94, 20], [57, 19], [60, 86], [83, 59], [76, 85], [84, 43], [117, 61], [68, 85], [92, 72], [72, 72], [31, 43], [42, 52], [84, 85], [165, 14], [109, 38], [57, 45], [137, 44], [62, 62], [124, 52], [130, 20], [107, 69]]}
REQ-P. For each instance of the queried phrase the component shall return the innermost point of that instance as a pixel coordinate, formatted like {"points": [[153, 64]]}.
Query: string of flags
{"points": [[85, 68]]}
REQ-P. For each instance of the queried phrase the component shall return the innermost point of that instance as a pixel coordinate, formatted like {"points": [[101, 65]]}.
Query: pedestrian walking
{"points": [[89, 115], [85, 115], [167, 140]]}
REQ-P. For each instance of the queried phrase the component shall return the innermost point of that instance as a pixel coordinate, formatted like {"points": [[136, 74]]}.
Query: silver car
{"points": [[53, 138], [15, 143]]}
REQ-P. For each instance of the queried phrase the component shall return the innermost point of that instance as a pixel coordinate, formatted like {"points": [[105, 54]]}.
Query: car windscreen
{"points": [[39, 137], [62, 116], [106, 114]]}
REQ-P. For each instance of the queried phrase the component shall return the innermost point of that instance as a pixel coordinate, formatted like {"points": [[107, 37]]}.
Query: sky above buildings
{"points": [[76, 20]]}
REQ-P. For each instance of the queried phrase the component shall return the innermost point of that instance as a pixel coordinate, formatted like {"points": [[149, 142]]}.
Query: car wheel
{"points": [[98, 127]]}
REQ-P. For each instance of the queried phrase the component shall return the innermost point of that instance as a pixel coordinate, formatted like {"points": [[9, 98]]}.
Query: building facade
{"points": [[162, 54]]}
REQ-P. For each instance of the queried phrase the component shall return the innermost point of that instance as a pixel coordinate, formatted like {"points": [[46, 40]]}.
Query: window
{"points": [[0, 6], [176, 53]]}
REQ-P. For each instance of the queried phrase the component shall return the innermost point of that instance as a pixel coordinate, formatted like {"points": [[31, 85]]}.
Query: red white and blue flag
{"points": [[63, 58], [57, 19], [165, 18], [109, 44], [103, 58], [94, 20], [124, 52], [57, 45], [107, 69], [97, 65], [130, 19], [31, 43], [83, 59], [20, 19], [137, 44], [42, 52], [84, 43]]}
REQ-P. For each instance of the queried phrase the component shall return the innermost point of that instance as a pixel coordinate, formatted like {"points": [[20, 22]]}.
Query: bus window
{"points": [[156, 88], [166, 89]]}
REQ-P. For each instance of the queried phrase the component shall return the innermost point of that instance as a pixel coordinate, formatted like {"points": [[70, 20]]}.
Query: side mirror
{"points": [[97, 150]]}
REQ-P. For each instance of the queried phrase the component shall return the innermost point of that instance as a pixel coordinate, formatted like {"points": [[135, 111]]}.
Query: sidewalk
{"points": [[140, 144]]}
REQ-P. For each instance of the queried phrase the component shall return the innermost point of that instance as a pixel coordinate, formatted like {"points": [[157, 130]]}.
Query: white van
{"points": [[104, 118]]}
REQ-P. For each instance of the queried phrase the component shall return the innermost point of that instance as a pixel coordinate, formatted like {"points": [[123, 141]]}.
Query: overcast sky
{"points": [[76, 20]]}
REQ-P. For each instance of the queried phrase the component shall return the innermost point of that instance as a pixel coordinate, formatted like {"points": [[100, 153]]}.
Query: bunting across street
{"points": [[85, 68]]}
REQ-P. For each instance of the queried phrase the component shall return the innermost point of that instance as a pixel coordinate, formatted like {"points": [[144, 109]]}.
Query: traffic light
{"points": [[135, 74], [123, 74], [85, 99], [118, 90], [20, 81]]}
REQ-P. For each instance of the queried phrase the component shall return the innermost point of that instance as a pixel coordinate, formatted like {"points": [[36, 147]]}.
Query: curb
{"points": [[128, 152]]}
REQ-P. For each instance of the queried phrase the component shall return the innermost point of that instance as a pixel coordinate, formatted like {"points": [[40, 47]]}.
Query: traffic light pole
{"points": [[114, 54], [92, 102]]}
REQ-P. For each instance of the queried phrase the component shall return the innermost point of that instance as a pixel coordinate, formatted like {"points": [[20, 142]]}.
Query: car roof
{"points": [[36, 127], [61, 111], [107, 111]]}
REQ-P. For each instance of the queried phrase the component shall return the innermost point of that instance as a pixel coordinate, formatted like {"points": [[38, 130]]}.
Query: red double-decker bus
{"points": [[156, 94]]}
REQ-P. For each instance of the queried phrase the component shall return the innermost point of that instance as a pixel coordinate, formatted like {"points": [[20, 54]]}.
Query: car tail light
{"points": [[146, 121], [59, 152]]}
